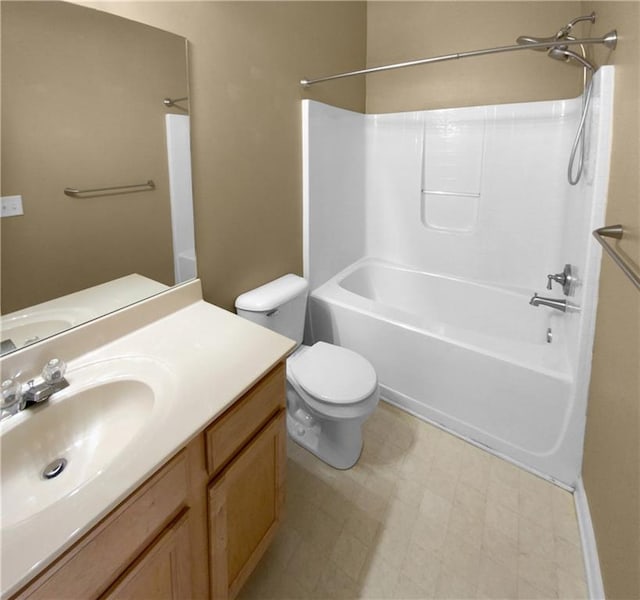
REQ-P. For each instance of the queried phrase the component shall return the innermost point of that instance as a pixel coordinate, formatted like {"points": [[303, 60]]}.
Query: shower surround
{"points": [[426, 234]]}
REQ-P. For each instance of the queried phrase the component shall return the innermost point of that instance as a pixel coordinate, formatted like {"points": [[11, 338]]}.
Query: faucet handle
{"points": [[54, 370], [550, 279], [561, 278], [565, 279], [11, 393]]}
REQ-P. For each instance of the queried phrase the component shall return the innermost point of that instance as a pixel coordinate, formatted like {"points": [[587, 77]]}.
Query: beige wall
{"points": [[82, 107], [400, 31], [246, 60], [611, 468]]}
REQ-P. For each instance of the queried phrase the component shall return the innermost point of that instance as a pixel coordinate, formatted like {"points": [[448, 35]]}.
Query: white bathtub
{"points": [[471, 357]]}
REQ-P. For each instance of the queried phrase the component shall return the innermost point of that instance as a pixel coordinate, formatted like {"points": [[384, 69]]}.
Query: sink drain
{"points": [[54, 468]]}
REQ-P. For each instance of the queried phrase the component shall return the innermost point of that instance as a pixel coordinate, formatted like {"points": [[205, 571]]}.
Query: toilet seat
{"points": [[333, 375]]}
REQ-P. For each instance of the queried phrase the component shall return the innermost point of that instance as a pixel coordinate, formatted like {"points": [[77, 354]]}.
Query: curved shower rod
{"points": [[609, 40]]}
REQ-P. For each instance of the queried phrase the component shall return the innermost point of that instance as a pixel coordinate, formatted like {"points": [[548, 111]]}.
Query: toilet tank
{"points": [[279, 305]]}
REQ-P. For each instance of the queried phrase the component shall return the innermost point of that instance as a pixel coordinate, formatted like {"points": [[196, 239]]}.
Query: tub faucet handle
{"points": [[565, 279]]}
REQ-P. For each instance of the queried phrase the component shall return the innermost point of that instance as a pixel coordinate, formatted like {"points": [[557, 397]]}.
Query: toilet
{"points": [[331, 390]]}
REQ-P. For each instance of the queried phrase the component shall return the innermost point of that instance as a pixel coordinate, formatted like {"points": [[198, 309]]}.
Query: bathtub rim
{"points": [[331, 292]]}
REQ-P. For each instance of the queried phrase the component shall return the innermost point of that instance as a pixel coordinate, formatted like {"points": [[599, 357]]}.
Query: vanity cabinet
{"points": [[199, 525]]}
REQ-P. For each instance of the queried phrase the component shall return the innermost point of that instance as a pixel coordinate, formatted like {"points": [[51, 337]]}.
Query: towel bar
{"points": [[616, 231], [120, 189]]}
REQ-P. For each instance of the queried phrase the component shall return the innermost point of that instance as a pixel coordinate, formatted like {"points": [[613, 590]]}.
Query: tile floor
{"points": [[422, 515]]}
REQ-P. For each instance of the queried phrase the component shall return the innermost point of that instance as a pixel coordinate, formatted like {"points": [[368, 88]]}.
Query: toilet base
{"points": [[337, 443]]}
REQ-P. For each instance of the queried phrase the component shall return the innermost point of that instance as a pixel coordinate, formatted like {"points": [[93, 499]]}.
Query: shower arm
{"points": [[609, 40]]}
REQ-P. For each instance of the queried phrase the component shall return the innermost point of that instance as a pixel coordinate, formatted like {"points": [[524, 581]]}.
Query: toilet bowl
{"points": [[331, 390]]}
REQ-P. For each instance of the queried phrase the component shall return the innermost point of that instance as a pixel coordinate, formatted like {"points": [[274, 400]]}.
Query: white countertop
{"points": [[209, 357]]}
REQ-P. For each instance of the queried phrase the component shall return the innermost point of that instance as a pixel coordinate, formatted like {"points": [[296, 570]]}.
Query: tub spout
{"points": [[550, 302]]}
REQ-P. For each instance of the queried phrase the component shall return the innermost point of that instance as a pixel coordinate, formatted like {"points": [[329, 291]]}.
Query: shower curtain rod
{"points": [[609, 40]]}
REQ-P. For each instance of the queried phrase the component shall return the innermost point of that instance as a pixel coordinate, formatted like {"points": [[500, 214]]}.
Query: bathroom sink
{"points": [[88, 425], [23, 332]]}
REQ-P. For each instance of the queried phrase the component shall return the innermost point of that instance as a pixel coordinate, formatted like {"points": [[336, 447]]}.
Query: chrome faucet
{"points": [[550, 302], [15, 398]]}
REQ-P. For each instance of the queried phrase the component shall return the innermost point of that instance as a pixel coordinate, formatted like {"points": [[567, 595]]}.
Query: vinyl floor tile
{"points": [[422, 515]]}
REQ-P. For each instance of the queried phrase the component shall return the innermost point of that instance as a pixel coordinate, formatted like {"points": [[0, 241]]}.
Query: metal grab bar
{"points": [[120, 189], [609, 40], [616, 231]]}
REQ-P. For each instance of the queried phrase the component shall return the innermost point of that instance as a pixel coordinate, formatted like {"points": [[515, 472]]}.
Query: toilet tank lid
{"points": [[273, 294]]}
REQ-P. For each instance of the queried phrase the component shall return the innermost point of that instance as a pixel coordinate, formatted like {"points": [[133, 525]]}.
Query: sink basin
{"points": [[33, 324], [88, 425], [23, 332]]}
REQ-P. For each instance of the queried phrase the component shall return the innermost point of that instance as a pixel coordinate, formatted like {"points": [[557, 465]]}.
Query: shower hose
{"points": [[578, 143]]}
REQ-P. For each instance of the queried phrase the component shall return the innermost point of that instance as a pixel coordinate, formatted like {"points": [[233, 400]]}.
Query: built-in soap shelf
{"points": [[455, 212], [440, 193]]}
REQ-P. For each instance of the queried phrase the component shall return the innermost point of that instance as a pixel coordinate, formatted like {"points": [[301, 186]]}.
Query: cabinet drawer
{"points": [[90, 567], [244, 419]]}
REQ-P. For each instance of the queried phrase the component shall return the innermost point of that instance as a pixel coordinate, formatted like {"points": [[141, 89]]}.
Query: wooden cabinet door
{"points": [[162, 572], [245, 504]]}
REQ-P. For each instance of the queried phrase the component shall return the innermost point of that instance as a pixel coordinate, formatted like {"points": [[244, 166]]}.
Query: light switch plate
{"points": [[12, 206]]}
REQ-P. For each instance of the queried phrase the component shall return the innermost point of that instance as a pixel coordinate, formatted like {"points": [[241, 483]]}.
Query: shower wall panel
{"points": [[181, 196], [334, 176], [477, 193]]}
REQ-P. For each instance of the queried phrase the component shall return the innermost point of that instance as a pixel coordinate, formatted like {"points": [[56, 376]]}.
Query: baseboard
{"points": [[588, 539]]}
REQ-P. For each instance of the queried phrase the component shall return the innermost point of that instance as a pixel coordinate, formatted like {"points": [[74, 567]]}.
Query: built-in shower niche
{"points": [[452, 219]]}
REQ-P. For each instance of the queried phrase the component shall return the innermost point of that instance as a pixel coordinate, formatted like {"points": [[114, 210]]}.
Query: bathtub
{"points": [[470, 357]]}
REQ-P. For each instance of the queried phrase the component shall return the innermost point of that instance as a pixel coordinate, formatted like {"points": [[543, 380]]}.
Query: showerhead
{"points": [[564, 54], [571, 24], [562, 34]]}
